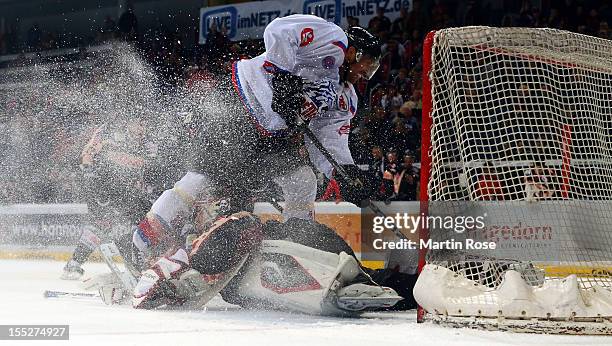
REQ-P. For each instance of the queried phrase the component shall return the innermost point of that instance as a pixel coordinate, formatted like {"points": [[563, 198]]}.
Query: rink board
{"points": [[59, 226], [24, 227]]}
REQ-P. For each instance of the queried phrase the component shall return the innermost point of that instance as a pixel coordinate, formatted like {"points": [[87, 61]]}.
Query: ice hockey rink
{"points": [[92, 322]]}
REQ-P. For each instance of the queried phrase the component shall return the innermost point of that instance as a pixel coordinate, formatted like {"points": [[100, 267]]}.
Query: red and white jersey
{"points": [[303, 45], [333, 130], [312, 48]]}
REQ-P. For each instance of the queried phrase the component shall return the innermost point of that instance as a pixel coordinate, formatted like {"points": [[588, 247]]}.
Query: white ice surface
{"points": [[22, 284]]}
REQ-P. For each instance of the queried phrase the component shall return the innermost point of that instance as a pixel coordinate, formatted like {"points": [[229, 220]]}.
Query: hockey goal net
{"points": [[517, 129]]}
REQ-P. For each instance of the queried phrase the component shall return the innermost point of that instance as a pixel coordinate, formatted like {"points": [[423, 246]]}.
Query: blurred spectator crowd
{"points": [[385, 139]]}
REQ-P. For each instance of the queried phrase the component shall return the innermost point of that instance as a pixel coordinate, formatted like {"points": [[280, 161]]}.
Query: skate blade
{"points": [[71, 276], [366, 303]]}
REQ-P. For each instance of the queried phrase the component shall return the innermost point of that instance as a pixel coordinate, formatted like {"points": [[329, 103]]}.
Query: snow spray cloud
{"points": [[48, 112]]}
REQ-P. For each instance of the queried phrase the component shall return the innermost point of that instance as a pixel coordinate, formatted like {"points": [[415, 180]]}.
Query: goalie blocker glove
{"points": [[358, 187]]}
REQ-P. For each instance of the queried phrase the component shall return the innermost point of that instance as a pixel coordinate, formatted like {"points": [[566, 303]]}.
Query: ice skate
{"points": [[72, 271]]}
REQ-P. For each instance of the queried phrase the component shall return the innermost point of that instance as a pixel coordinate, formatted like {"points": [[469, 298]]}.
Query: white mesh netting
{"points": [[522, 100], [521, 128]]}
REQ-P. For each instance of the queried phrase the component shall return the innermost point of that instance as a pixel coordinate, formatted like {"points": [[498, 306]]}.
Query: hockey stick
{"points": [[110, 250], [328, 156], [70, 295], [340, 170], [379, 212], [276, 205], [337, 167]]}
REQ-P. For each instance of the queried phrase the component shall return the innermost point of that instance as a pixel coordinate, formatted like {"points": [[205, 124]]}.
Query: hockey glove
{"points": [[358, 187], [287, 97], [298, 101]]}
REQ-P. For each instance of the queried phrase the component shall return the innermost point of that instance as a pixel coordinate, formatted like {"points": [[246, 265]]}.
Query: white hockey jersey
{"points": [[333, 130], [312, 48]]}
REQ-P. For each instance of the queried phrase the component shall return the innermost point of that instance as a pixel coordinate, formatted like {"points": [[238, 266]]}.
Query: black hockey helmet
{"points": [[365, 44]]}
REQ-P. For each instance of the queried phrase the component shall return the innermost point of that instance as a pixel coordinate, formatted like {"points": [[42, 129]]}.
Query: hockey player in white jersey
{"points": [[304, 78]]}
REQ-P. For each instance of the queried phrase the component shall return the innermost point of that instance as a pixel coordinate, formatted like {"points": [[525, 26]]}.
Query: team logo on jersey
{"points": [[328, 62], [307, 37], [344, 130], [342, 104], [352, 107]]}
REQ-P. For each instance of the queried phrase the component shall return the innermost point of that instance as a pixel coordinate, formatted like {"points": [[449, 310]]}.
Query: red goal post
{"points": [[425, 154]]}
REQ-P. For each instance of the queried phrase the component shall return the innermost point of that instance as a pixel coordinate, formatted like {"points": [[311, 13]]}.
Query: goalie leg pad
{"points": [[154, 287], [300, 278], [345, 295], [226, 243], [216, 257]]}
